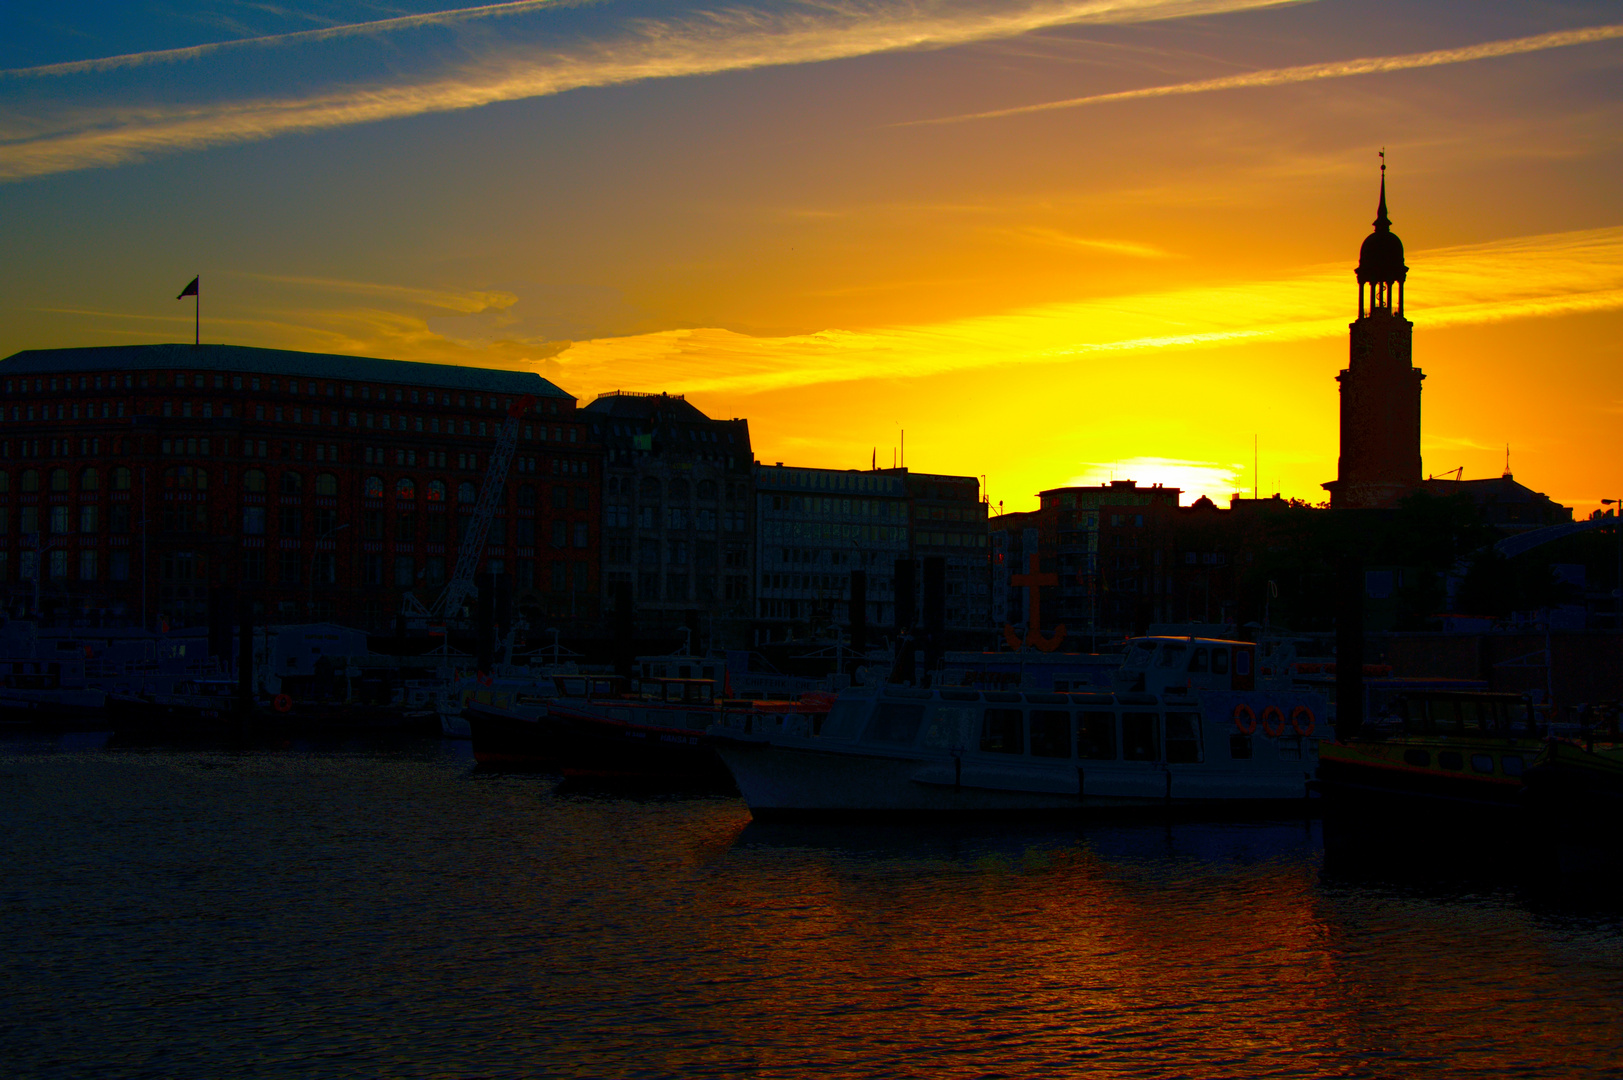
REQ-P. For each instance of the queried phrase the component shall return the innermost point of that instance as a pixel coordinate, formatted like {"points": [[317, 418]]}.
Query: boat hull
{"points": [[787, 781], [581, 745]]}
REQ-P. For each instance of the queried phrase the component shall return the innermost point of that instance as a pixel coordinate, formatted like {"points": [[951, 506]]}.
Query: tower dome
{"points": [[1381, 257]]}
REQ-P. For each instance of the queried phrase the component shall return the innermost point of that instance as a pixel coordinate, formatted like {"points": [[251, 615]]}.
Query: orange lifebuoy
{"points": [[1244, 719], [1303, 720], [281, 703], [1273, 721]]}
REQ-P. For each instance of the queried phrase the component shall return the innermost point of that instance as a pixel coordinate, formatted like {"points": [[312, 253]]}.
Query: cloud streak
{"points": [[1338, 69], [700, 43], [1541, 276]]}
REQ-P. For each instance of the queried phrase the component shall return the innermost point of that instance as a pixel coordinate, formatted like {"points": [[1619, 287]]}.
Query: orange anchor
{"points": [[1033, 581]]}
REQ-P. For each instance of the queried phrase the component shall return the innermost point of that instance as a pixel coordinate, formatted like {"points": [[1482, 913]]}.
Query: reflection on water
{"points": [[370, 909]]}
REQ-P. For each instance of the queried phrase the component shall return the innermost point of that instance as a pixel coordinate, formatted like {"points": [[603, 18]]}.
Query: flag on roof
{"points": [[190, 290]]}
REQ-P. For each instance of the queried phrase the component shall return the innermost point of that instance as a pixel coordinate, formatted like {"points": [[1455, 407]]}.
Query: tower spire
{"points": [[1382, 223]]}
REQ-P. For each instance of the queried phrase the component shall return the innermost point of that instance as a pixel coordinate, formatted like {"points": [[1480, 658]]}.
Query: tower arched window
{"points": [[465, 493], [374, 487], [526, 495], [30, 480], [292, 483], [59, 479], [253, 481], [650, 486], [436, 491], [5, 482], [121, 478], [405, 488], [89, 480], [326, 484]]}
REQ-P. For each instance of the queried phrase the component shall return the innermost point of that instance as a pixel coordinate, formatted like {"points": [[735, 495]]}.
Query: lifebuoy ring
{"points": [[1303, 720], [1244, 719], [485, 679], [1273, 721], [281, 703]]}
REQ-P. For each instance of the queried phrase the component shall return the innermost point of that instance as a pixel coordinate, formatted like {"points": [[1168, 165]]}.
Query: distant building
{"points": [[1380, 388], [678, 512], [815, 526], [949, 520], [1503, 503], [133, 479]]}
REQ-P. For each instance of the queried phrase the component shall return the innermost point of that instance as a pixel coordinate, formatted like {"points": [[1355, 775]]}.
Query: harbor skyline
{"points": [[1054, 243]]}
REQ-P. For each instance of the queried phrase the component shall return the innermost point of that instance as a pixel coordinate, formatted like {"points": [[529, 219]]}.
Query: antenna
{"points": [[1507, 461], [1256, 481]]}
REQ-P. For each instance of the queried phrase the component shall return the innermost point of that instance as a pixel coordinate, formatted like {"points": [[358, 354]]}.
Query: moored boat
{"points": [[1183, 729]]}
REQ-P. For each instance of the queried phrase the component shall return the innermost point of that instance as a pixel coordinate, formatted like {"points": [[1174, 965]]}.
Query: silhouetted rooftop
{"points": [[1381, 257]]}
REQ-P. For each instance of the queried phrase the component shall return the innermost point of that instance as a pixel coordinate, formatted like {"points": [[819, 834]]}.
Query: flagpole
{"points": [[197, 317]]}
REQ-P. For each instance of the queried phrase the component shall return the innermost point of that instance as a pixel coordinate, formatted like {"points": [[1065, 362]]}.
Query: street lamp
{"points": [[310, 603], [1617, 530]]}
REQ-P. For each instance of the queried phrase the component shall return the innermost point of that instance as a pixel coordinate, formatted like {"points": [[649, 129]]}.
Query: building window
{"points": [[253, 520], [253, 481], [583, 535], [288, 568], [59, 521], [59, 480], [89, 480], [436, 491], [405, 572], [118, 566], [87, 566], [326, 484], [560, 534], [289, 520], [465, 493], [87, 518], [434, 570], [405, 488], [374, 487], [59, 565]]}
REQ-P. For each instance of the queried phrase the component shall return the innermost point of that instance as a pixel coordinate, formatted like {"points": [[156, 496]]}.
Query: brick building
{"points": [[135, 478], [678, 518]]}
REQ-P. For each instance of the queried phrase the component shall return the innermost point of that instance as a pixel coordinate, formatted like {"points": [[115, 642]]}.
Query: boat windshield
{"points": [[1138, 657], [1171, 656]]}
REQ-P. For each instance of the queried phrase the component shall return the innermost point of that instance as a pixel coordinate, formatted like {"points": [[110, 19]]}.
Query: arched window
{"points": [[5, 482], [526, 495], [326, 484], [650, 486], [679, 489], [465, 493], [707, 490], [254, 480], [404, 488], [89, 480], [292, 483], [374, 487], [436, 491], [121, 478], [30, 480], [59, 479]]}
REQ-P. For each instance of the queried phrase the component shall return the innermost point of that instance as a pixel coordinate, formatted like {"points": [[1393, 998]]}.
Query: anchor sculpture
{"points": [[1033, 581]]}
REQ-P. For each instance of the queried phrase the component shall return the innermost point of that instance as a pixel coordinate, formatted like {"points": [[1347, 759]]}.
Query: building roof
{"points": [[623, 405], [247, 360], [1380, 258]]}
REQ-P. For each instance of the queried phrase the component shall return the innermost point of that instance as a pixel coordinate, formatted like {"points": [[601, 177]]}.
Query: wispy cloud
{"points": [[700, 43], [1540, 276], [1339, 69], [465, 302]]}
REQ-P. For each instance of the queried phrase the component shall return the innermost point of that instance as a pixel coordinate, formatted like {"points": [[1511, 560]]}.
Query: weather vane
{"points": [[1382, 152]]}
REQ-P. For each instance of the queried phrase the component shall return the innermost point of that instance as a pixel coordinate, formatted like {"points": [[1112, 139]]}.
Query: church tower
{"points": [[1380, 389]]}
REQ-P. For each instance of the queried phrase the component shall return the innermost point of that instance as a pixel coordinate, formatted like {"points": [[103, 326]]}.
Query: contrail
{"points": [[1338, 69], [700, 43], [326, 33]]}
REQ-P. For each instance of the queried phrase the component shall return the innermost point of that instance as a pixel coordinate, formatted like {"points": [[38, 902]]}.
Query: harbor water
{"points": [[386, 909]]}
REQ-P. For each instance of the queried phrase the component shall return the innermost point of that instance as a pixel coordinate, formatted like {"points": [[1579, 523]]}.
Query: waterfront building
{"points": [[1380, 387], [678, 518], [949, 521], [1508, 506], [814, 527], [133, 479]]}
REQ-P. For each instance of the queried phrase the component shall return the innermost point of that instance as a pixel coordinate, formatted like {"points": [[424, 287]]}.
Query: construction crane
{"points": [[1459, 474], [472, 545]]}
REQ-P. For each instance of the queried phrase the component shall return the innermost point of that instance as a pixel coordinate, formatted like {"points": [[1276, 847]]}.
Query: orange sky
{"points": [[805, 215]]}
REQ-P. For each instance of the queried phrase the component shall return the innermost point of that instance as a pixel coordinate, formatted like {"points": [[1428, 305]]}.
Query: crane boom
{"points": [[472, 546]]}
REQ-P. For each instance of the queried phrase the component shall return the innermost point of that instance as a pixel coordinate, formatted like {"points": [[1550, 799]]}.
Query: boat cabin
{"points": [[1156, 665], [1462, 713], [678, 691]]}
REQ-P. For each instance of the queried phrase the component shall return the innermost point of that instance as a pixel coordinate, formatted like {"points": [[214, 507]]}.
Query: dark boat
{"points": [[1433, 751]]}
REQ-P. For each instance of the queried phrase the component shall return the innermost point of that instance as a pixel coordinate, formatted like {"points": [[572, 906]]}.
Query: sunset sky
{"points": [[1055, 241]]}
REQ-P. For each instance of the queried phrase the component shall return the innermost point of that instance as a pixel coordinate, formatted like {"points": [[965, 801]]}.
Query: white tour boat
{"points": [[1184, 726]]}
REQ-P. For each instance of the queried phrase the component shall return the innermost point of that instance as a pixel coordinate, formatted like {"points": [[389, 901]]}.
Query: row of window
{"points": [[651, 487], [675, 517], [1098, 735]]}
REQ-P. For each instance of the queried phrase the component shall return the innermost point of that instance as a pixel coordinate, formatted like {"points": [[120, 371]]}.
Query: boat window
{"points": [[1420, 759], [1476, 715], [1050, 733], [1000, 731], [573, 687], [1220, 661], [1183, 737], [701, 692], [844, 718], [1197, 662], [894, 723], [1138, 742], [673, 691], [1482, 763], [1096, 736], [1240, 747], [950, 727], [1511, 764], [1450, 759], [1172, 656]]}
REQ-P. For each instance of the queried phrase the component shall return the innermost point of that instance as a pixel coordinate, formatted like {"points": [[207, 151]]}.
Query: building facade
{"points": [[678, 513], [133, 479], [814, 527], [949, 521]]}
